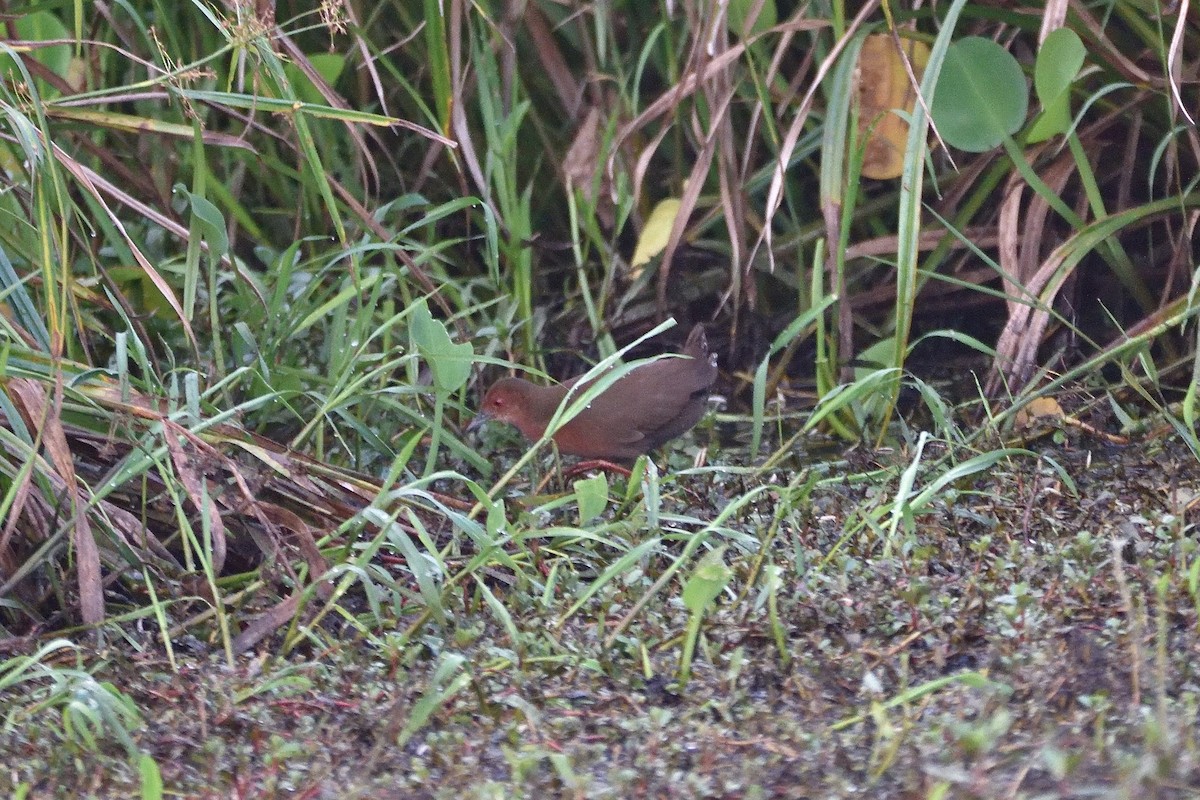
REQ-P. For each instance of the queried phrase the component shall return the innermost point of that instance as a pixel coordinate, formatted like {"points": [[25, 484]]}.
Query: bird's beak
{"points": [[481, 419]]}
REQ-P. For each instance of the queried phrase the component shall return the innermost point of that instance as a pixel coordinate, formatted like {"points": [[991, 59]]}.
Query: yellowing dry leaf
{"points": [[655, 235], [1039, 411], [884, 85]]}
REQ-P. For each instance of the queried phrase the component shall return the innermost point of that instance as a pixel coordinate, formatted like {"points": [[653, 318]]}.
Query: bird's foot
{"points": [[596, 463]]}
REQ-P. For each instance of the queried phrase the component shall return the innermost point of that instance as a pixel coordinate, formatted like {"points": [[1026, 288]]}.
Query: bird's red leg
{"points": [[596, 463]]}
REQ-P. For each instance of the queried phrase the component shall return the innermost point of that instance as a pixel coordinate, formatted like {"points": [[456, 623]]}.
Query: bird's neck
{"points": [[541, 403]]}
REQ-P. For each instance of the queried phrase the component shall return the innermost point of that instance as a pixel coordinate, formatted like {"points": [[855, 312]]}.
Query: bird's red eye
{"points": [[498, 402]]}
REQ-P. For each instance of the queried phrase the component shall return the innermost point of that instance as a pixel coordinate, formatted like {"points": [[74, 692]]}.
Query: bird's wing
{"points": [[667, 398]]}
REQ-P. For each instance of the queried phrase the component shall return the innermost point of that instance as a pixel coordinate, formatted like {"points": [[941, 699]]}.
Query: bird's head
{"points": [[510, 400]]}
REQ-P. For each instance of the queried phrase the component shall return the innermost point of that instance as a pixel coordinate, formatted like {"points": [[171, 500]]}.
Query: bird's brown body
{"points": [[640, 411]]}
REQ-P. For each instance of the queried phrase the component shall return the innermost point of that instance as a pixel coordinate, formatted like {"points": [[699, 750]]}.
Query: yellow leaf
{"points": [[1040, 410], [655, 235], [884, 85]]}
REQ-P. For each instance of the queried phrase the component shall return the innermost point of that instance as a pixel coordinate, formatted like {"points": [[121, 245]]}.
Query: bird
{"points": [[642, 410]]}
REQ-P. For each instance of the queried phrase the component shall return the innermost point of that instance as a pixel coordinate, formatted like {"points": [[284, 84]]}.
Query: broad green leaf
{"points": [[738, 11], [211, 224], [707, 581], [39, 26], [449, 362], [981, 95], [497, 518], [1058, 62], [328, 65], [152, 782], [592, 496]]}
